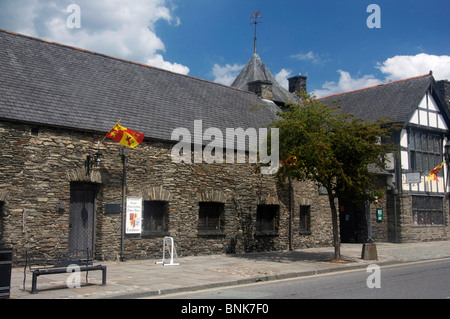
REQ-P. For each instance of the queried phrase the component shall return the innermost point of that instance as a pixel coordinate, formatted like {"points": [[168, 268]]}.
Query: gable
{"points": [[427, 114]]}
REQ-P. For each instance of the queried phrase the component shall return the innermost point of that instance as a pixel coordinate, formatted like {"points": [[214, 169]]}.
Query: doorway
{"points": [[347, 221], [81, 219], [352, 221]]}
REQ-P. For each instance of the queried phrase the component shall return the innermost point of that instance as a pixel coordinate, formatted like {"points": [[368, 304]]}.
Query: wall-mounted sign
{"points": [[134, 215], [379, 214], [413, 178], [112, 208]]}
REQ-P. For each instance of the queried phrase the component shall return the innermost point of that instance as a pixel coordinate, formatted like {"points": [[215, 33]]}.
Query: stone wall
{"points": [[380, 229], [39, 164]]}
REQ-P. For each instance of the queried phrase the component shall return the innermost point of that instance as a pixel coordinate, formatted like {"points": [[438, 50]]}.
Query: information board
{"points": [[134, 215]]}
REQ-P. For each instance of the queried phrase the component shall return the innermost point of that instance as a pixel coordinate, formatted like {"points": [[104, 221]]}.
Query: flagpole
{"points": [[124, 152], [109, 131]]}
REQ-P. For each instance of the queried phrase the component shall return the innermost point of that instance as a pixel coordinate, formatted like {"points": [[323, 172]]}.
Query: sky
{"points": [[340, 45]]}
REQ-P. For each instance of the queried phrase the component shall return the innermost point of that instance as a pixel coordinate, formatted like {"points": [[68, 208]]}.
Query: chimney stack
{"points": [[262, 88], [297, 83]]}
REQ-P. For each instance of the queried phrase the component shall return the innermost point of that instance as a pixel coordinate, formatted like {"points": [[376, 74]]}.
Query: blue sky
{"points": [[327, 40]]}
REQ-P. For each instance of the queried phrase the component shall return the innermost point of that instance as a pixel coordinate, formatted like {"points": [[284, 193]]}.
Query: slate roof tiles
{"points": [[48, 83], [394, 99]]}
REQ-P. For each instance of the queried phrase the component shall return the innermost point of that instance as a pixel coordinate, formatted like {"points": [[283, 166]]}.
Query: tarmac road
{"points": [[415, 280]]}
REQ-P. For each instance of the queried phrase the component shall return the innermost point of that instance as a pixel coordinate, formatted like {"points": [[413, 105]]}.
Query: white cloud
{"points": [[282, 78], [157, 60], [310, 56], [346, 83], [124, 29], [406, 66], [226, 74]]}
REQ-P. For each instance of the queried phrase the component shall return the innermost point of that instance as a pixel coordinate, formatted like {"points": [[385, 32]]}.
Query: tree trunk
{"points": [[334, 219]]}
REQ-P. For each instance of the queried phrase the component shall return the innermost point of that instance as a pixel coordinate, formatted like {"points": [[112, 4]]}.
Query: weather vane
{"points": [[256, 16]]}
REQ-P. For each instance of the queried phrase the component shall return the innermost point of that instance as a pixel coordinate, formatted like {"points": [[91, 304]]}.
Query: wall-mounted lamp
{"points": [[92, 161]]}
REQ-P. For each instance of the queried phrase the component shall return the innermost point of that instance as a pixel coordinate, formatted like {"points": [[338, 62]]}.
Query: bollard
{"points": [[369, 251]]}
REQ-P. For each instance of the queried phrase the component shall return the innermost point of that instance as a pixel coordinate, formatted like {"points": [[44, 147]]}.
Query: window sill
{"points": [[267, 233], [210, 233], [155, 233], [423, 226]]}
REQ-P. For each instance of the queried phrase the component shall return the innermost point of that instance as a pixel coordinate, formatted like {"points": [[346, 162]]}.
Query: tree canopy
{"points": [[319, 142]]}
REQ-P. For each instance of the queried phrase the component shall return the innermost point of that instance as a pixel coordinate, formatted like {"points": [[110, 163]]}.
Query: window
{"points": [[425, 151], [305, 218], [210, 218], [35, 131], [155, 217], [427, 210], [267, 219]]}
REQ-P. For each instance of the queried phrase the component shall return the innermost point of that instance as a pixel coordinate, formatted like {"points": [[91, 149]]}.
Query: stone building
{"points": [[413, 208], [63, 191], [64, 187]]}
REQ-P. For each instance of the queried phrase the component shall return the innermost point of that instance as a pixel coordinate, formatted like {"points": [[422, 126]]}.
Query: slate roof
{"points": [[397, 99], [255, 69], [54, 84]]}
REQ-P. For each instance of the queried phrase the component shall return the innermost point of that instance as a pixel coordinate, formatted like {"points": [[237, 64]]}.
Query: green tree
{"points": [[319, 142]]}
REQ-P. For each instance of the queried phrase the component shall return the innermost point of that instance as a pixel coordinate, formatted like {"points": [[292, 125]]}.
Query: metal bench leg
{"points": [[34, 284]]}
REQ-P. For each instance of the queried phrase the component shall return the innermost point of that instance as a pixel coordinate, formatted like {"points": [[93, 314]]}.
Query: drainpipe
{"points": [[395, 217]]}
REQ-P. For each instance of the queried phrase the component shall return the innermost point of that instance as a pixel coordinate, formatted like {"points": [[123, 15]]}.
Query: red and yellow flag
{"points": [[434, 172], [125, 136]]}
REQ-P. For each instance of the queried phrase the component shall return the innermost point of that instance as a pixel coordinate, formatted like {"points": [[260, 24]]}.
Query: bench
{"points": [[84, 264]]}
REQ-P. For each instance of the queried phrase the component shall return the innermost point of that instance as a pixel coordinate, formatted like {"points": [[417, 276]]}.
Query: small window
{"points": [[35, 131], [267, 219], [305, 220], [210, 218], [155, 217]]}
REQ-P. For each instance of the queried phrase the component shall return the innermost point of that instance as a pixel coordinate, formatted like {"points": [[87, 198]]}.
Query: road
{"points": [[425, 279]]}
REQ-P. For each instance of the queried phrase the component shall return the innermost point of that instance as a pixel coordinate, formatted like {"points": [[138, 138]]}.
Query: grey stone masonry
{"points": [[40, 163]]}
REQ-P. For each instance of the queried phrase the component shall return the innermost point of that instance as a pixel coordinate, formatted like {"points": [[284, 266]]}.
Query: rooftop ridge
{"points": [[373, 86], [122, 60]]}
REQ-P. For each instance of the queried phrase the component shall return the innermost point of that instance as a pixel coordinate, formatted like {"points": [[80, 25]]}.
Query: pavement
{"points": [[146, 278]]}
